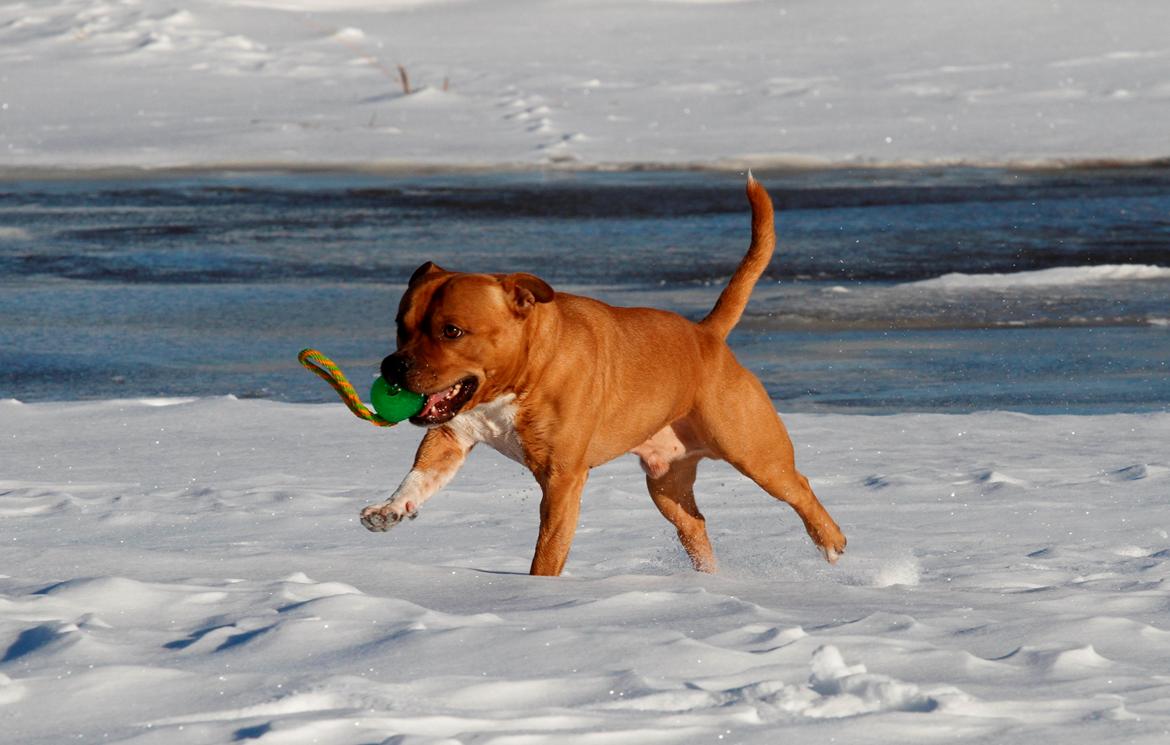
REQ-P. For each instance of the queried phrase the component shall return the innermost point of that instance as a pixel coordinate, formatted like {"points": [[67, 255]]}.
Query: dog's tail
{"points": [[732, 301]]}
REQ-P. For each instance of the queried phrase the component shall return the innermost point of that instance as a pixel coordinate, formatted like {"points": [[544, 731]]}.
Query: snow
{"points": [[1056, 276], [114, 84], [193, 571]]}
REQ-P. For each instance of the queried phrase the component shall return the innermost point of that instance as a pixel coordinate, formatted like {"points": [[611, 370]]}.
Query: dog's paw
{"points": [[831, 554], [830, 541], [379, 518]]}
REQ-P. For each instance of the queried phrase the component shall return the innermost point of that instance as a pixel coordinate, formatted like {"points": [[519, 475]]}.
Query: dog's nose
{"points": [[395, 367]]}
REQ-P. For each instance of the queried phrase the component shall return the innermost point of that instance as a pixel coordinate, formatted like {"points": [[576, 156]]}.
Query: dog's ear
{"points": [[526, 290], [425, 270]]}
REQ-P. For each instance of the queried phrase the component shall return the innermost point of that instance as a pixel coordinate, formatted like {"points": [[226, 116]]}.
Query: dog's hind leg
{"points": [[674, 495], [741, 426]]}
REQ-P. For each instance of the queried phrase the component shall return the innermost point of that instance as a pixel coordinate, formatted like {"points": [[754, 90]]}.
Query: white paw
{"points": [[379, 518]]}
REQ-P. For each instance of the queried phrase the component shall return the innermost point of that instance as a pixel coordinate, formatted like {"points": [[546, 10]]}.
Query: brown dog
{"points": [[563, 383]]}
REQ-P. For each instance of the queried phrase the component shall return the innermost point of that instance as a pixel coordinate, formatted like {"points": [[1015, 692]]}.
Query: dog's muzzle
{"points": [[395, 367]]}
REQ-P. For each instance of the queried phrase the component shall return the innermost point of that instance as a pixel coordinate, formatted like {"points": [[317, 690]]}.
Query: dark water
{"points": [[210, 285]]}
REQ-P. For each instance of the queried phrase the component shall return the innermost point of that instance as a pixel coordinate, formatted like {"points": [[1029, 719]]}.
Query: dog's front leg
{"points": [[438, 458], [559, 508]]}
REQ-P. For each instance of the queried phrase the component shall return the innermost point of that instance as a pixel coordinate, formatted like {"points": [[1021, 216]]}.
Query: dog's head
{"points": [[461, 337]]}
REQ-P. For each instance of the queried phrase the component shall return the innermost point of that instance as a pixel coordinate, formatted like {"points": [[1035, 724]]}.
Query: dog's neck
{"points": [[525, 370]]}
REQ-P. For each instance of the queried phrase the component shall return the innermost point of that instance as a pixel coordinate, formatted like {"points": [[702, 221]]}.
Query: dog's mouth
{"points": [[443, 406]]}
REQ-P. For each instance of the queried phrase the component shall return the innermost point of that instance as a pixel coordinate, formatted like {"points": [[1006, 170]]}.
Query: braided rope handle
{"points": [[328, 371]]}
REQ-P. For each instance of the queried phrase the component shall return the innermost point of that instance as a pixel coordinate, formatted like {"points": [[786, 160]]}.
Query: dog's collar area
{"points": [[442, 406]]}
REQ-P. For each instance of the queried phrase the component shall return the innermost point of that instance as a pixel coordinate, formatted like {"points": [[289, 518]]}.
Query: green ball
{"points": [[393, 403]]}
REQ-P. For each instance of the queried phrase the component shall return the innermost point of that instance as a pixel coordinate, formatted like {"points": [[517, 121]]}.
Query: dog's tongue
{"points": [[432, 401]]}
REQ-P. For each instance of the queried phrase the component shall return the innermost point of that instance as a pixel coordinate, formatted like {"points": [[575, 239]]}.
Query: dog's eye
{"points": [[452, 332]]}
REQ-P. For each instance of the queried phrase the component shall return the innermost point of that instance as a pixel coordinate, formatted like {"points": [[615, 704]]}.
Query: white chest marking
{"points": [[494, 423]]}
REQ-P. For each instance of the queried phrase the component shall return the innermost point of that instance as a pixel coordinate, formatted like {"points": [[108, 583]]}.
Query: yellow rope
{"points": [[331, 374]]}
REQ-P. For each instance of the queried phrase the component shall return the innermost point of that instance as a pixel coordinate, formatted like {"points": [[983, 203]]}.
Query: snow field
{"points": [[88, 84], [193, 571]]}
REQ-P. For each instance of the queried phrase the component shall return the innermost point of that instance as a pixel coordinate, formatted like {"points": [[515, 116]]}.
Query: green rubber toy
{"points": [[393, 403]]}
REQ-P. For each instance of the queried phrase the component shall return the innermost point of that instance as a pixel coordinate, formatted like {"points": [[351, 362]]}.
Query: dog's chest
{"points": [[492, 423]]}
